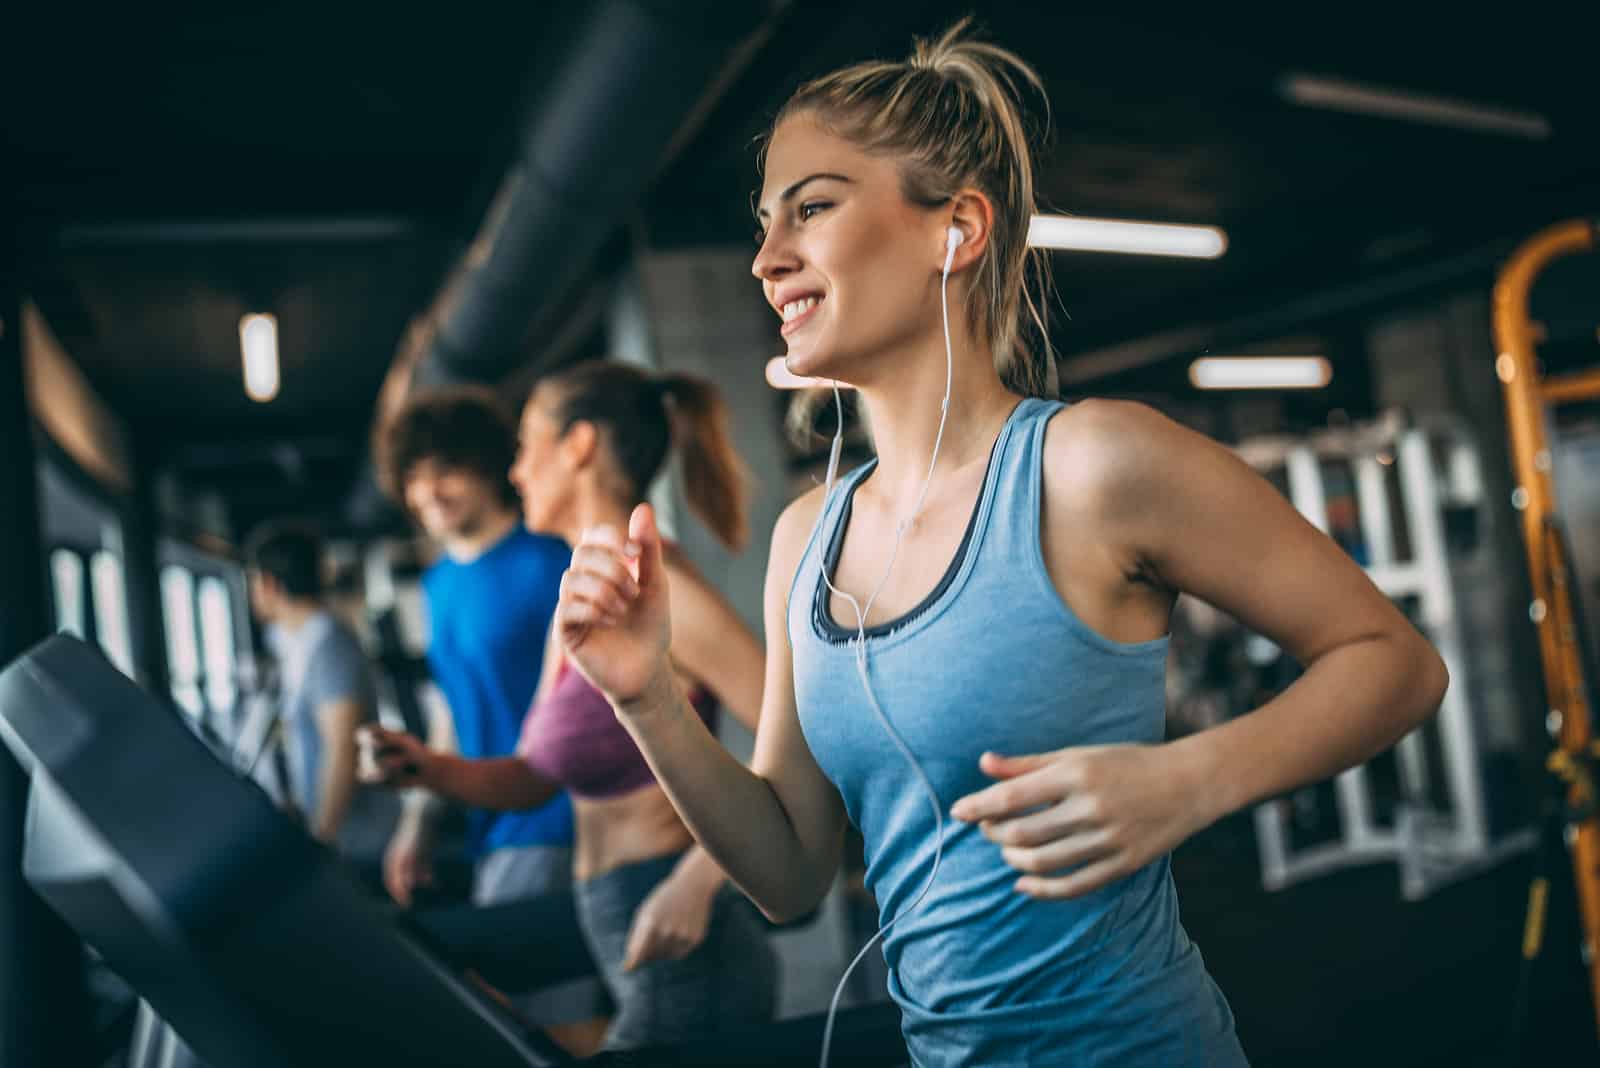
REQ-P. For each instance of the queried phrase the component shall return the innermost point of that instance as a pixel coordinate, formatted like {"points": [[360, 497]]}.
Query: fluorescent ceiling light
{"points": [[1335, 94], [1260, 372], [780, 377], [1117, 235], [258, 339]]}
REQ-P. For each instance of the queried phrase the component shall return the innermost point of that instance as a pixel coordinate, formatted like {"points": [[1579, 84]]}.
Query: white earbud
{"points": [[954, 238]]}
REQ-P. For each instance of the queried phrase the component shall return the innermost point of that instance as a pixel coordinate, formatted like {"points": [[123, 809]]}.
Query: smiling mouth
{"points": [[796, 312]]}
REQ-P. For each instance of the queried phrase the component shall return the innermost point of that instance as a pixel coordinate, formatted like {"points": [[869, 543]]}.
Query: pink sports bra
{"points": [[574, 737]]}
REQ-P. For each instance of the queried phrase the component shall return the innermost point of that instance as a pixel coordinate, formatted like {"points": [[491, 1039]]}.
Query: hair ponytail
{"points": [[714, 478], [643, 417]]}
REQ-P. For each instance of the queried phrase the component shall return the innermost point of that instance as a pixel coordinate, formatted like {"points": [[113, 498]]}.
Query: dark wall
{"points": [[42, 1006]]}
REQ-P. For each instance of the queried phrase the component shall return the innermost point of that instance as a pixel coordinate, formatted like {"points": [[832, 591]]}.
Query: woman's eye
{"points": [[804, 212]]}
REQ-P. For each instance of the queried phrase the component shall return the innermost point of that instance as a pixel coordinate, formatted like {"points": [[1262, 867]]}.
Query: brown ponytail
{"points": [[643, 416], [714, 478]]}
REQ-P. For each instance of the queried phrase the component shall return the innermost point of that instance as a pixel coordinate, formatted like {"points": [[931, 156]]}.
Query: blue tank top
{"points": [[487, 621], [994, 659]]}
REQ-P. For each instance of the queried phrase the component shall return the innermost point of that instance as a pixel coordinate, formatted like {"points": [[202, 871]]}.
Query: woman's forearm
{"points": [[501, 783], [1351, 704], [698, 868], [733, 813]]}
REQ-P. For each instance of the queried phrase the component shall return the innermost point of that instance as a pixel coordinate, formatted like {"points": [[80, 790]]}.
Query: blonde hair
{"points": [[952, 113]]}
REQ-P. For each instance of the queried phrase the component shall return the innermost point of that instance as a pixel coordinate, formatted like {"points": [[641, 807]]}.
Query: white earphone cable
{"points": [[860, 640]]}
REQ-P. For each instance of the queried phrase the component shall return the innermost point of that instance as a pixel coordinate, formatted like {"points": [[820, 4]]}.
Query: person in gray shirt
{"points": [[327, 687], [326, 691]]}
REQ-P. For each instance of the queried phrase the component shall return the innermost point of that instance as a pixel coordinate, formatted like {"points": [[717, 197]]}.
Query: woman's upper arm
{"points": [[712, 644], [548, 665], [1196, 519], [782, 757]]}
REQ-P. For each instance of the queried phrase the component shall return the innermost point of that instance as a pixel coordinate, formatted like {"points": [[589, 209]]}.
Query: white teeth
{"points": [[796, 308]]}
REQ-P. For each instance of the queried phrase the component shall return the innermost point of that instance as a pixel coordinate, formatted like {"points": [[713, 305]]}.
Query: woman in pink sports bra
{"points": [[681, 952]]}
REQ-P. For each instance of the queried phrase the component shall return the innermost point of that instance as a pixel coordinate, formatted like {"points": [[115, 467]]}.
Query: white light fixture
{"points": [[780, 377], [1335, 94], [1119, 235], [258, 339], [1260, 372]]}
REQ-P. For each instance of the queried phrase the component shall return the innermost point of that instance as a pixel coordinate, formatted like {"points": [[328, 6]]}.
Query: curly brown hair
{"points": [[461, 427]]}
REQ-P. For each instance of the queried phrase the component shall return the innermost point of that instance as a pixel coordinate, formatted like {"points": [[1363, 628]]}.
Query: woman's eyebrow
{"points": [[789, 193]]}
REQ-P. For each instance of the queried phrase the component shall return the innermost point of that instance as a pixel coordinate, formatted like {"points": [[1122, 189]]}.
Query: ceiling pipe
{"points": [[635, 74], [630, 88]]}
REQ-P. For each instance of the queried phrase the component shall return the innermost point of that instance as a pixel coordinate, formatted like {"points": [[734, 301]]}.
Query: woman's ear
{"points": [[579, 443], [972, 213]]}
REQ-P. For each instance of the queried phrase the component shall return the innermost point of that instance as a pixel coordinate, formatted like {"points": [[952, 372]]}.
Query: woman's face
{"points": [[850, 264], [540, 472]]}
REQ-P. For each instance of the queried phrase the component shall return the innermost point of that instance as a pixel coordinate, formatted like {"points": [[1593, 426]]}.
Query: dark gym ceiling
{"points": [[169, 171]]}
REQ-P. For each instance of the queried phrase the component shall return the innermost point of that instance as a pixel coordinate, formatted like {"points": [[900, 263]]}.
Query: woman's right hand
{"points": [[612, 619], [392, 758]]}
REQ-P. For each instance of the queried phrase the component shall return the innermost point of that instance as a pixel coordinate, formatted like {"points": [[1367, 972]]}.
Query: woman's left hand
{"points": [[1077, 819], [671, 922]]}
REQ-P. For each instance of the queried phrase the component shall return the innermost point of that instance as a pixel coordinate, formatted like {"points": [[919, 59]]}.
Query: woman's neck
{"points": [[593, 507], [904, 413]]}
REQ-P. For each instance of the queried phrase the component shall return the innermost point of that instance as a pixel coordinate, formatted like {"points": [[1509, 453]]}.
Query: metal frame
{"points": [[1528, 398]]}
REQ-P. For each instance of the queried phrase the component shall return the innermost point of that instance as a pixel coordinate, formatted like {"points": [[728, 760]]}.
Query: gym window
{"points": [[183, 644], [111, 609], [67, 590]]}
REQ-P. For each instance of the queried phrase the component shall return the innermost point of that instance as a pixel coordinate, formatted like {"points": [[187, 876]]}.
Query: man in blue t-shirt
{"points": [[490, 598]]}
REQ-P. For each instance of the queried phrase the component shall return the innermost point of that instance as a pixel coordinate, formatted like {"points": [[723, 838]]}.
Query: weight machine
{"points": [[1401, 479]]}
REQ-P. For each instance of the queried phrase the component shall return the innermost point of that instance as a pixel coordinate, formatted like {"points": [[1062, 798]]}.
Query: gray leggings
{"points": [[728, 982]]}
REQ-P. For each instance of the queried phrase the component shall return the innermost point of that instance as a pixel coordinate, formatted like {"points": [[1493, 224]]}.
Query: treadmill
{"points": [[246, 936], [237, 928]]}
